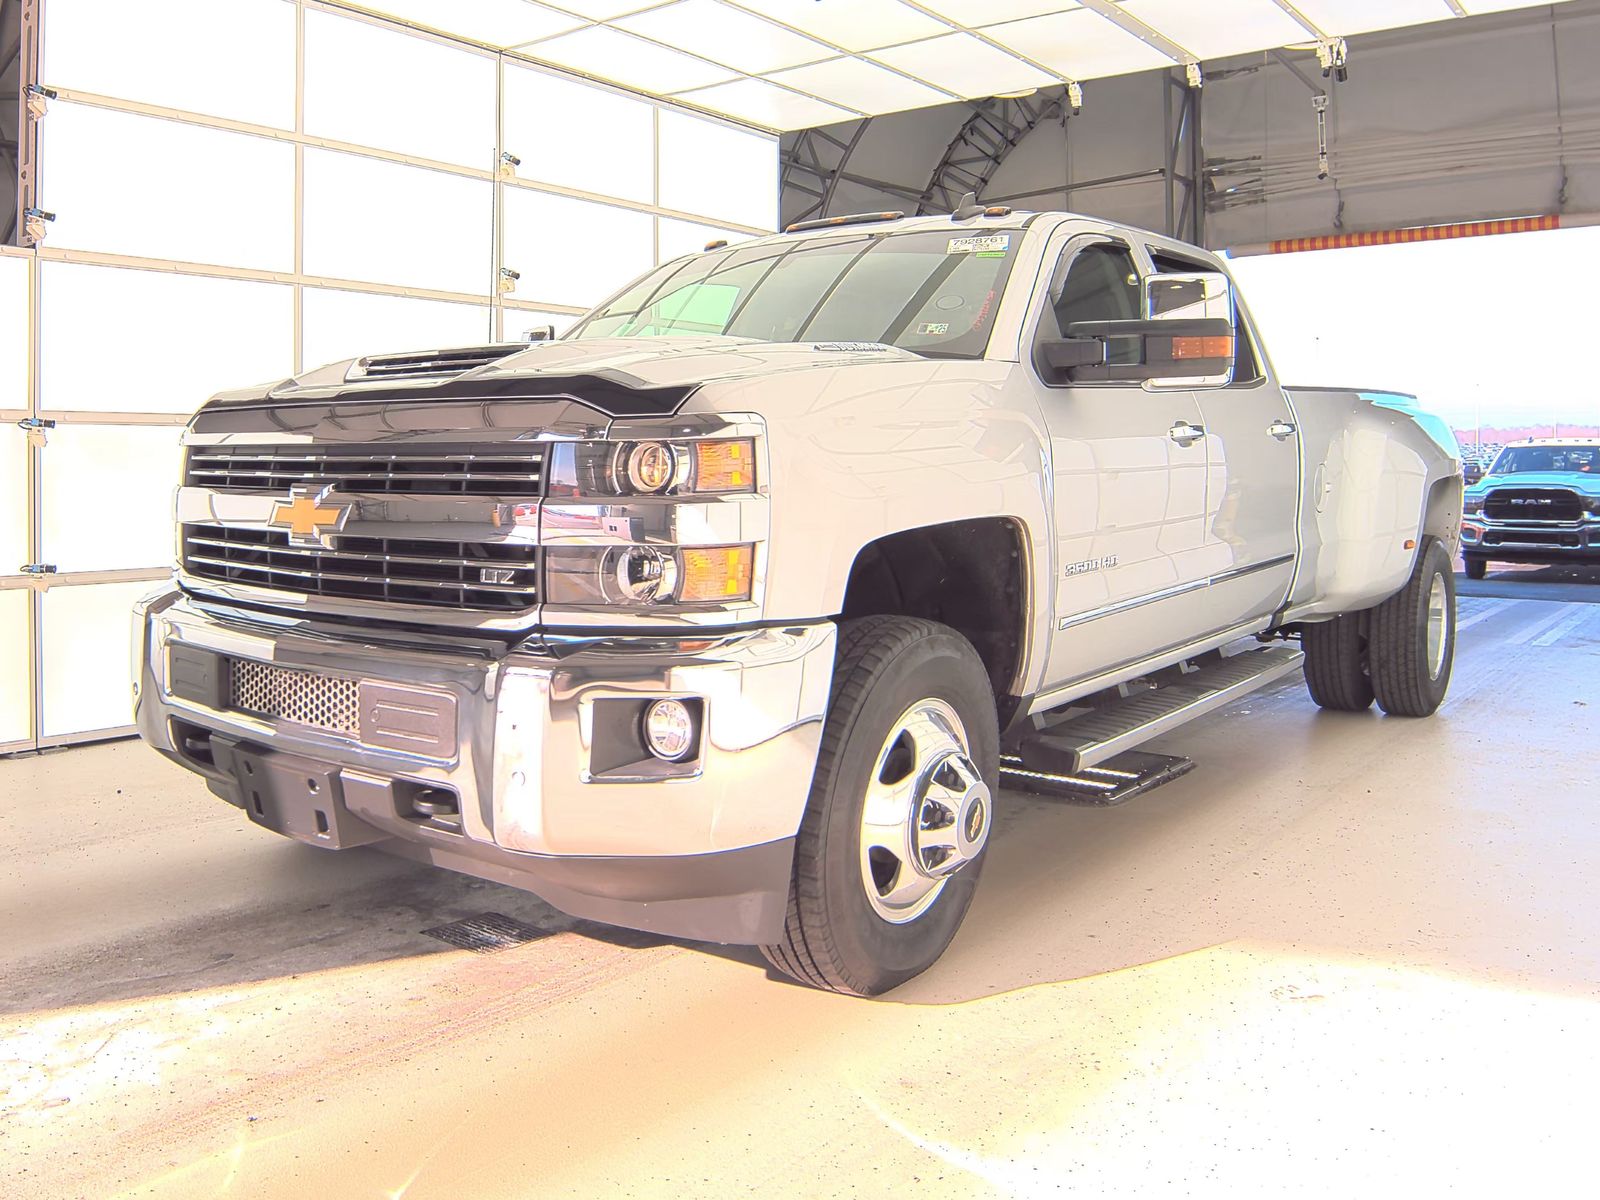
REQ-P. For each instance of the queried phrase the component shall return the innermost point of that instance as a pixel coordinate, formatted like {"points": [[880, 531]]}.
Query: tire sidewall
{"points": [[1436, 563], [942, 666]]}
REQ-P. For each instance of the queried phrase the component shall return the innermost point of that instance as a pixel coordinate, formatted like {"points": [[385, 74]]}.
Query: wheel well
{"points": [[965, 574], [1442, 517]]}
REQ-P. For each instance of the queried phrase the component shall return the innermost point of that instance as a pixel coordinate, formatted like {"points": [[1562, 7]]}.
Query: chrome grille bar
{"points": [[514, 472], [496, 576]]}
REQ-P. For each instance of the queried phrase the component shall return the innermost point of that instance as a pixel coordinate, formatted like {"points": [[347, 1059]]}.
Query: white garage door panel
{"points": [[177, 339], [340, 325], [572, 251], [86, 633], [718, 171], [676, 238], [380, 87], [106, 496], [233, 59], [609, 150], [157, 189], [16, 689], [13, 499], [13, 332], [385, 223], [519, 320]]}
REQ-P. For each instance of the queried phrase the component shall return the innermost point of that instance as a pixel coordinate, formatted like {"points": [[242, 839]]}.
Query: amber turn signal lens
{"points": [[1202, 347], [715, 573], [728, 466]]}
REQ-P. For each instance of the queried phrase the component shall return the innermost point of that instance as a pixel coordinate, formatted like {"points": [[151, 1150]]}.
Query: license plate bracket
{"points": [[297, 797]]}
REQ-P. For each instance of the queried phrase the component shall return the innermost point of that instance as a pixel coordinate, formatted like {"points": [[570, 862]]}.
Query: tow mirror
{"points": [[1186, 339]]}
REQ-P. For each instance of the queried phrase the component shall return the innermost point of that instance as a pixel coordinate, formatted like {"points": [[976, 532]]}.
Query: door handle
{"points": [[1186, 434], [1281, 429]]}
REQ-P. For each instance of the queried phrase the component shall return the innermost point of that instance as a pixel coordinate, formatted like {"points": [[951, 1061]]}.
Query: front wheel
{"points": [[1413, 641], [900, 810], [1476, 565]]}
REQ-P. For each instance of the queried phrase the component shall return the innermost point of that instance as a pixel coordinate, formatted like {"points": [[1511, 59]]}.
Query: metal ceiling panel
{"points": [[786, 64]]}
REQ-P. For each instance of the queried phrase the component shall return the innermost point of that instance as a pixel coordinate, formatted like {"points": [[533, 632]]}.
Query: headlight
{"points": [[654, 468], [1472, 504], [648, 576]]}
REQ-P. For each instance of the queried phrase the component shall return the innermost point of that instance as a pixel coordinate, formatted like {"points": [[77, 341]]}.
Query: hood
{"points": [[619, 377], [1579, 481]]}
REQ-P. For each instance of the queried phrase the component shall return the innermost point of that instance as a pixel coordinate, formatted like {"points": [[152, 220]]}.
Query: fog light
{"points": [[669, 729]]}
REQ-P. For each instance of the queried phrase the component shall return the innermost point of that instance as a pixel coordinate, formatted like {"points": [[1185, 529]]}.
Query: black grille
{"points": [[497, 576], [1533, 504], [515, 471]]}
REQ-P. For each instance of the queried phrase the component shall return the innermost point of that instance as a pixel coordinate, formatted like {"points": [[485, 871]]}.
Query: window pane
{"points": [[341, 325], [676, 238], [386, 223], [715, 171], [177, 338], [85, 631], [230, 60], [381, 87], [16, 684], [106, 496], [13, 499], [557, 148], [572, 251], [158, 189], [13, 332]]}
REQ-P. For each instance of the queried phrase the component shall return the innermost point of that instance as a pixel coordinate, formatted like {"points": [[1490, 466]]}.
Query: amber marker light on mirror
{"points": [[725, 466], [713, 573], [1202, 347]]}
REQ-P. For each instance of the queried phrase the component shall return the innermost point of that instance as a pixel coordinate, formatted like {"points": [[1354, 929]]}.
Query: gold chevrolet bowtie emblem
{"points": [[308, 513]]}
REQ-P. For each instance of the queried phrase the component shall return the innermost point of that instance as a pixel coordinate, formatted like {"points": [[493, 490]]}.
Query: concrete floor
{"points": [[1347, 955]]}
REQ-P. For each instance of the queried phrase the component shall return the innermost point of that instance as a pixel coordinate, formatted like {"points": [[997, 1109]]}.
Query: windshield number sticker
{"points": [[992, 243], [933, 328]]}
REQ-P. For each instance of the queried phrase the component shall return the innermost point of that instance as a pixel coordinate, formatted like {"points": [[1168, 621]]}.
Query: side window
{"points": [[1101, 284], [1245, 368]]}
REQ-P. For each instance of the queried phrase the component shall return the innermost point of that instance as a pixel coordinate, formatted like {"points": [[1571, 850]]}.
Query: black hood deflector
{"points": [[609, 392]]}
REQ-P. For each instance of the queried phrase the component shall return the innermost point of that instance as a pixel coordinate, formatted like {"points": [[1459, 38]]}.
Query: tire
{"points": [[1336, 663], [1410, 671], [1476, 565], [887, 669]]}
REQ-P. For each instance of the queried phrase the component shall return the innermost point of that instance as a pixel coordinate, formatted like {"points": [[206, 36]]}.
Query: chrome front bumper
{"points": [[546, 803]]}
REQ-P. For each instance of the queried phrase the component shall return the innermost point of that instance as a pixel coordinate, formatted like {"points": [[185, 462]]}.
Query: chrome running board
{"points": [[1088, 740]]}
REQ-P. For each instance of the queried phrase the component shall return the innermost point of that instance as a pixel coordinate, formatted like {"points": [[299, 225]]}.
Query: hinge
{"points": [[36, 96], [41, 573], [35, 427], [33, 224]]}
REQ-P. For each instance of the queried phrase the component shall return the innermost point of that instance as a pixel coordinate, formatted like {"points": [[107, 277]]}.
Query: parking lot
{"points": [[1329, 926]]}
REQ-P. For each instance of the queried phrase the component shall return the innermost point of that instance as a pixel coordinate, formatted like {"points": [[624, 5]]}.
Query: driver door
{"points": [[1128, 469]]}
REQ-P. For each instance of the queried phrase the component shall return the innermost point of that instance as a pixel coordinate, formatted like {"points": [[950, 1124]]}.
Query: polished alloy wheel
{"points": [[1438, 625], [927, 812]]}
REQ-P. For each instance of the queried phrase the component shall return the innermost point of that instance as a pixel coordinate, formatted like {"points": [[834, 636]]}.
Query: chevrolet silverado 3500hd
{"points": [[716, 616]]}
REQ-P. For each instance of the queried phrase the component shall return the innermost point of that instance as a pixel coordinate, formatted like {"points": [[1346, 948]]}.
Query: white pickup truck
{"points": [[726, 614]]}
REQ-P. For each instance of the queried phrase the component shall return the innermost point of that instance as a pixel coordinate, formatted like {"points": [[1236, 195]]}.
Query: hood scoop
{"points": [[429, 364]]}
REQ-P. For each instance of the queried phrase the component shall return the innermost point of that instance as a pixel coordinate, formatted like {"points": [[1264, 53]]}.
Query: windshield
{"points": [[1516, 459], [932, 291]]}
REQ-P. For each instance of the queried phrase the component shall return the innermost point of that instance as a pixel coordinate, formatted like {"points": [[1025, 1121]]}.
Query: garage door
{"points": [[244, 189]]}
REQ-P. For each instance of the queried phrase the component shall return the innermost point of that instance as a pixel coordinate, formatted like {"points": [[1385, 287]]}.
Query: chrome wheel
{"points": [[1438, 625], [926, 815]]}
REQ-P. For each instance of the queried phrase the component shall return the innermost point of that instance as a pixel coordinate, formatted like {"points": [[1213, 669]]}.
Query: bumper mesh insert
{"points": [[285, 694]]}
